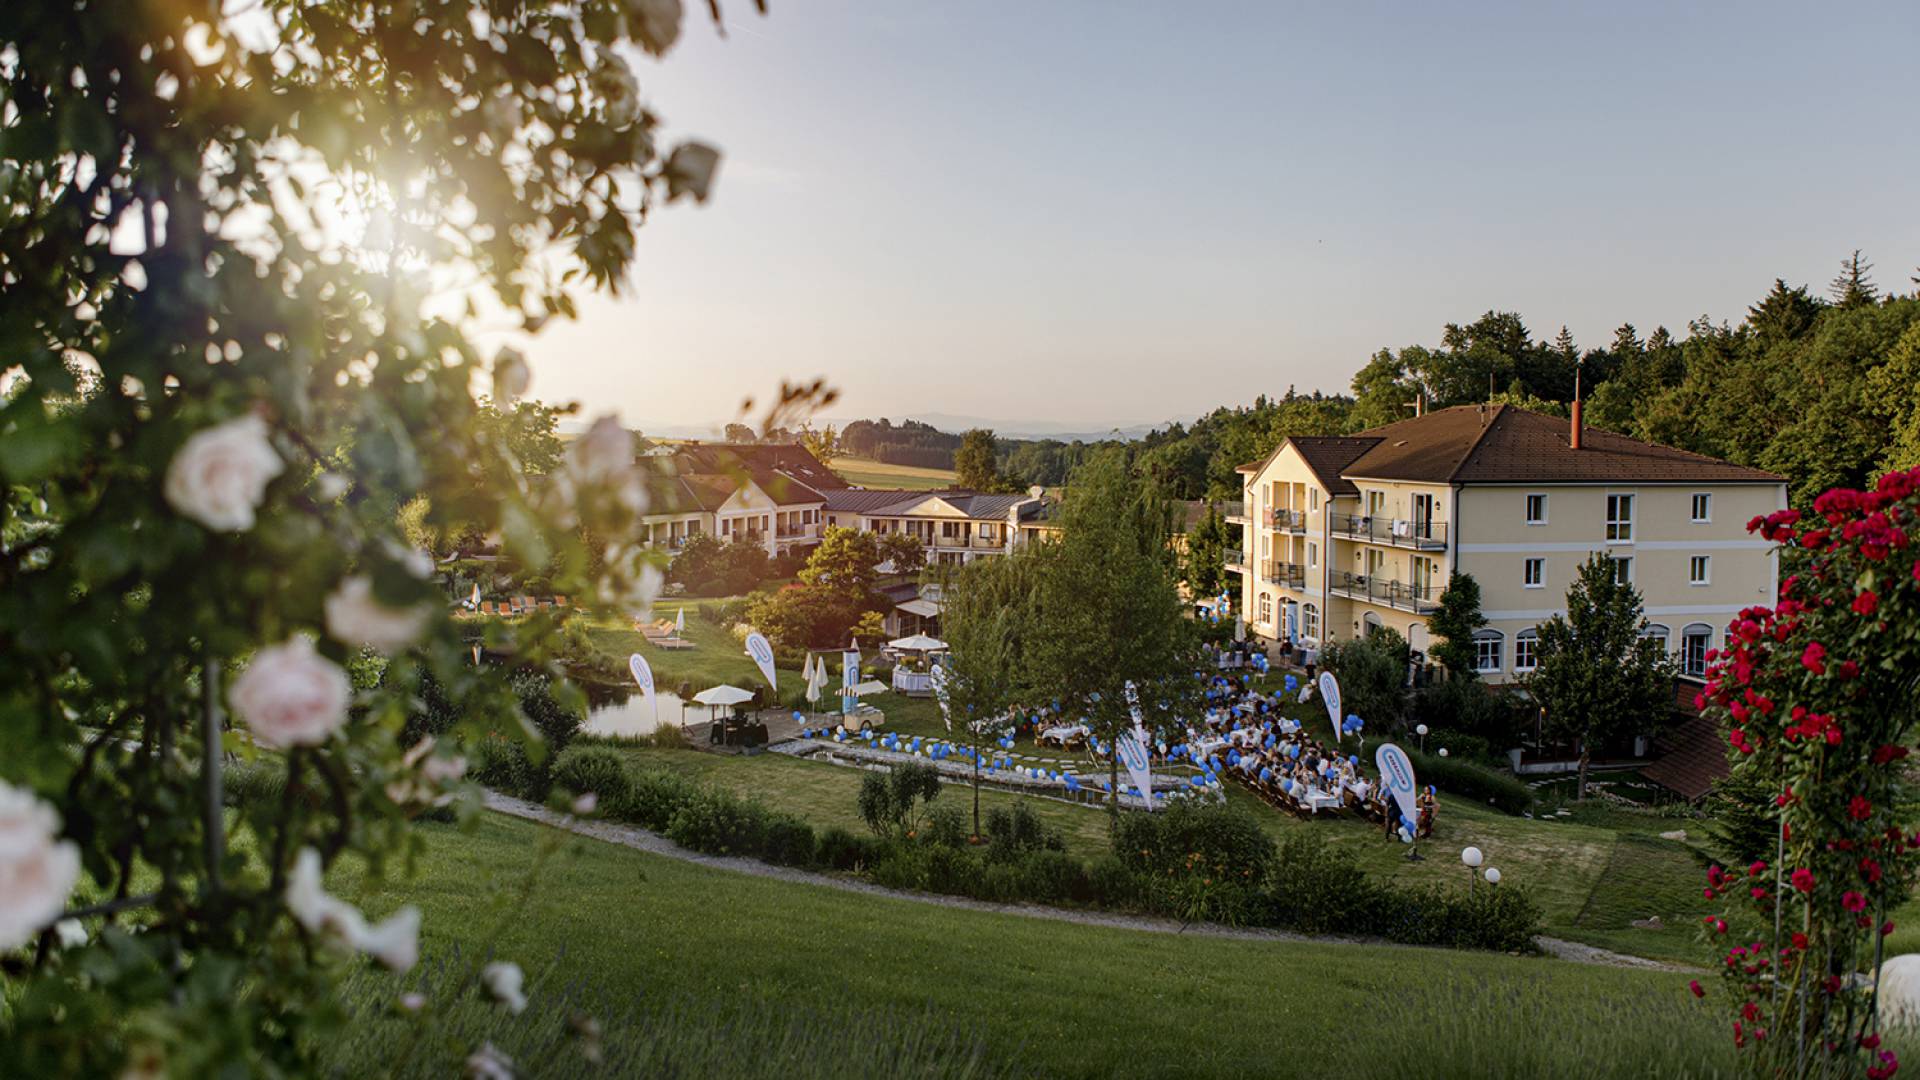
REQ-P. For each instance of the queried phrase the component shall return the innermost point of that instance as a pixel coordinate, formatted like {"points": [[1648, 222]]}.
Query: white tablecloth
{"points": [[1061, 734], [1206, 748], [912, 682]]}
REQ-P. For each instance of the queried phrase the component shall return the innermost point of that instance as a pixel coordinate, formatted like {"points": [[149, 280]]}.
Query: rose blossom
{"points": [[613, 80], [654, 24], [356, 617], [37, 869], [395, 942], [290, 695], [504, 980], [488, 1063], [219, 476], [690, 170]]}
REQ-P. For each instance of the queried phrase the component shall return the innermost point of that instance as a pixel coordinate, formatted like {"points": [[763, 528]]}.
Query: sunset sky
{"points": [[1112, 214]]}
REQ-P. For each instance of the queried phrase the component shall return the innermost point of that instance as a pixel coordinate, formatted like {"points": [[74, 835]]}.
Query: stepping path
{"points": [[639, 839]]}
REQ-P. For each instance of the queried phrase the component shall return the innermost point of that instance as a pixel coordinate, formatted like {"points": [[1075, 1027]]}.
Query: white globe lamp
{"points": [[1493, 876], [1472, 857], [1420, 729]]}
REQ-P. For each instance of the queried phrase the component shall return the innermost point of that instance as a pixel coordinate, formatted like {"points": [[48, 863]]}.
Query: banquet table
{"points": [[1316, 800], [1206, 748], [912, 682], [1062, 734]]}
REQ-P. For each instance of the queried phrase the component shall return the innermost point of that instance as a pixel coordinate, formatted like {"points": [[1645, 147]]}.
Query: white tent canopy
{"points": [[917, 643], [723, 695]]}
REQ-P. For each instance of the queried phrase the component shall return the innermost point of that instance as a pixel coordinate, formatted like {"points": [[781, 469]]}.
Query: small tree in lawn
{"points": [[1109, 612], [1818, 698], [1597, 674], [1373, 676], [1452, 626], [986, 618]]}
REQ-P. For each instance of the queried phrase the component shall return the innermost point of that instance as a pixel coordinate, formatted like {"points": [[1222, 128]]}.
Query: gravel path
{"points": [[639, 839]]}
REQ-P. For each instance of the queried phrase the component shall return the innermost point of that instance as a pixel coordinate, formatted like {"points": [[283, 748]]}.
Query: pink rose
{"points": [[290, 695], [219, 476], [37, 869]]}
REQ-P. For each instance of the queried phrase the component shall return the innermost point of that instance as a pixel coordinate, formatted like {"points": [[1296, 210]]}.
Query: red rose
{"points": [[1815, 658], [1859, 809], [1888, 753], [1865, 603], [1700, 992], [1853, 902], [1802, 880]]}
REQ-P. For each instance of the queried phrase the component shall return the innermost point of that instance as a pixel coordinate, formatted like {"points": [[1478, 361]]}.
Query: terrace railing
{"points": [[1421, 535], [1386, 592], [1289, 520]]}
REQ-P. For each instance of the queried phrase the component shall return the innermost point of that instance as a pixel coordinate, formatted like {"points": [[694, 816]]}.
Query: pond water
{"points": [[620, 711]]}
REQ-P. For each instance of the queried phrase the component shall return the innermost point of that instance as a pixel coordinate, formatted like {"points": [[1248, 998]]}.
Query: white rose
{"points": [[488, 1063], [356, 617], [613, 80], [690, 170], [37, 869], [654, 24], [604, 453], [219, 476], [395, 941], [290, 695], [510, 375], [504, 981]]}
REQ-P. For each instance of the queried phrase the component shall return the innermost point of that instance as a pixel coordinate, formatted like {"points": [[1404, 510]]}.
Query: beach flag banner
{"points": [[1131, 747], [761, 650], [642, 673], [849, 675], [1330, 696], [1396, 774]]}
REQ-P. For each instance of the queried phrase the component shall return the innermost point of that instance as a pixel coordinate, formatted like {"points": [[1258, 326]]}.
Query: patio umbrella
{"points": [[723, 695], [680, 623], [917, 643]]}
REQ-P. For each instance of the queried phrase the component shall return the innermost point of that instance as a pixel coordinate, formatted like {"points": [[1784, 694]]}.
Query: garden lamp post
{"points": [[1472, 858], [1421, 730], [1492, 875]]}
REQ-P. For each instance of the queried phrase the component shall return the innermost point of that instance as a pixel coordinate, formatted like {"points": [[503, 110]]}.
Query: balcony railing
{"points": [[1387, 593], [1397, 532], [1240, 516], [1290, 520], [987, 543], [1289, 575], [1236, 560]]}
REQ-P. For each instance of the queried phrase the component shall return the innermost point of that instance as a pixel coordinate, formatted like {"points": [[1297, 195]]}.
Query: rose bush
{"points": [[1818, 696], [224, 377]]}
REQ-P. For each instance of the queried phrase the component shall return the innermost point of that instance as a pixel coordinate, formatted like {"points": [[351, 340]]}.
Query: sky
{"points": [[1109, 214]]}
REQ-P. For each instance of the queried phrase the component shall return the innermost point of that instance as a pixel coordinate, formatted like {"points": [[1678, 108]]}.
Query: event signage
{"points": [[642, 673], [761, 650], [1132, 749], [849, 675], [1330, 696], [1396, 773]]}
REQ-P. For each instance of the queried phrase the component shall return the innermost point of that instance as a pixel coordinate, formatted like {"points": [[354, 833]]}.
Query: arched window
{"points": [[1487, 648], [1695, 640], [1526, 650], [1310, 621], [1370, 624], [1661, 634]]}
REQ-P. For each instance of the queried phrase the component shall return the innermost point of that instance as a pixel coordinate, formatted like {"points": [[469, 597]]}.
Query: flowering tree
{"points": [[1818, 694], [239, 253]]}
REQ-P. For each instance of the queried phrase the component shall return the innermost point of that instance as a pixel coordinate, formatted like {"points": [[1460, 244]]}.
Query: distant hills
{"points": [[951, 423]]}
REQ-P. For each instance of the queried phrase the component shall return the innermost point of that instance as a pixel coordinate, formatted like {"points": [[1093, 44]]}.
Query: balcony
{"points": [[1236, 560], [1393, 532], [1289, 520], [1242, 516], [1418, 599], [1284, 574]]}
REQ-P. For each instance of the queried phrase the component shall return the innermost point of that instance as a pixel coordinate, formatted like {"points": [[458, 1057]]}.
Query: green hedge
{"points": [[1463, 778]]}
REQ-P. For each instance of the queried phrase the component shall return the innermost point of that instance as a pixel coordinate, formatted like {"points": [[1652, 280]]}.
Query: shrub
{"points": [[1016, 832], [1471, 707], [789, 841], [1317, 889], [654, 796], [253, 783], [946, 825], [1050, 877], [954, 869], [668, 737], [1196, 861], [501, 762], [1504, 919], [595, 769], [1464, 778], [891, 802], [1373, 674], [901, 866], [1461, 745], [556, 707], [842, 850], [719, 823], [1112, 884]]}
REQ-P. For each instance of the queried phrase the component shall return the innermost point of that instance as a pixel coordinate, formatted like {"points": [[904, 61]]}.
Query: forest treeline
{"points": [[1823, 389]]}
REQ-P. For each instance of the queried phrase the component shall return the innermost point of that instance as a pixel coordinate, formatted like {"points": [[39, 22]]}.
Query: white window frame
{"points": [[1526, 650], [1618, 560], [1533, 572], [1702, 633], [1620, 528], [1527, 508], [1310, 621], [1266, 608], [1313, 555], [1700, 508], [1498, 642], [1313, 500], [1700, 570]]}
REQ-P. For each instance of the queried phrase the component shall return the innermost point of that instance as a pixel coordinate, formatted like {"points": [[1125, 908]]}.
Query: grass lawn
{"points": [[717, 656], [879, 474], [1050, 998]]}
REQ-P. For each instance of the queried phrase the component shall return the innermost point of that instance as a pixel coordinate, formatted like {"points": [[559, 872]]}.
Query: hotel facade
{"points": [[1344, 534]]}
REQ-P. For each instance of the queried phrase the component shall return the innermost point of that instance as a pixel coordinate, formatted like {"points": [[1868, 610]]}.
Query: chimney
{"points": [[1574, 440]]}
